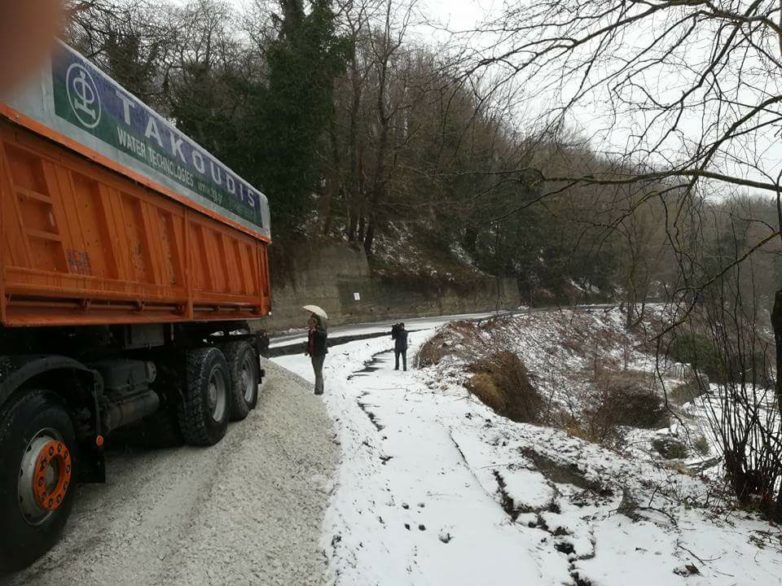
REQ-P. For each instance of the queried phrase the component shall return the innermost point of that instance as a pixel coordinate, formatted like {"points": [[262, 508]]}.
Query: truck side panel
{"points": [[83, 245]]}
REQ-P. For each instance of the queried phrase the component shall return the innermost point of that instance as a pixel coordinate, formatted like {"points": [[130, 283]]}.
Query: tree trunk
{"points": [[470, 239], [352, 223], [353, 189], [776, 323], [332, 178], [370, 237], [325, 205], [361, 225]]}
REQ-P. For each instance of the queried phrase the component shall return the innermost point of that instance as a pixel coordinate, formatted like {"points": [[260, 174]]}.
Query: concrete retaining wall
{"points": [[338, 278]]}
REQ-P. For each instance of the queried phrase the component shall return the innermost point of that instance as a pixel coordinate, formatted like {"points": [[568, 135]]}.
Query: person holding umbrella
{"points": [[316, 343]]}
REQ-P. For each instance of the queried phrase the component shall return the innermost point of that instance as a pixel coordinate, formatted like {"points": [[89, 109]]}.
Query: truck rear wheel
{"points": [[37, 452], [203, 414], [245, 378]]}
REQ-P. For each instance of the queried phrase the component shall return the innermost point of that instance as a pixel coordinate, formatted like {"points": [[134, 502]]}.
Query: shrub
{"points": [[459, 338], [670, 448], [702, 446], [686, 392], [433, 351], [629, 398], [482, 385], [501, 381], [598, 421], [722, 364], [751, 367], [621, 398], [700, 352]]}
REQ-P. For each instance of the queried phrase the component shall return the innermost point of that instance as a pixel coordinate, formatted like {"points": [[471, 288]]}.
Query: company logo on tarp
{"points": [[145, 141], [83, 95]]}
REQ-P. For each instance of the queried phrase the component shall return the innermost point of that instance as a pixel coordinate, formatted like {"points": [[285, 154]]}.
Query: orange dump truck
{"points": [[132, 263]]}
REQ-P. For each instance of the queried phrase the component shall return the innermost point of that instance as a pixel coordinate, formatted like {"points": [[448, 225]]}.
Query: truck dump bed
{"points": [[109, 215]]}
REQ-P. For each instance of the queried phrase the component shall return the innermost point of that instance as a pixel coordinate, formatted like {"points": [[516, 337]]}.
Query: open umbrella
{"points": [[316, 310]]}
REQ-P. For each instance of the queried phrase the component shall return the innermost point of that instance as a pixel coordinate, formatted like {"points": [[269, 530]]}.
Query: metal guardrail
{"points": [[298, 346]]}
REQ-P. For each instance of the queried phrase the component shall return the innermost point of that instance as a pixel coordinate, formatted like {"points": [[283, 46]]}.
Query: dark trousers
{"points": [[404, 358], [317, 366]]}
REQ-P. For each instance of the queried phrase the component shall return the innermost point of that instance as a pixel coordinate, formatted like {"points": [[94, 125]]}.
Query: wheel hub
{"points": [[44, 476], [52, 475], [247, 379], [217, 395]]}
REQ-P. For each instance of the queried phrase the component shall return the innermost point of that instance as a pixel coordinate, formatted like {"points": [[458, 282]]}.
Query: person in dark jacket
{"points": [[399, 335], [316, 349]]}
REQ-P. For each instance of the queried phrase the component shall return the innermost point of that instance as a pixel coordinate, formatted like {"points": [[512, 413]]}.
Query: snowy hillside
{"points": [[434, 487]]}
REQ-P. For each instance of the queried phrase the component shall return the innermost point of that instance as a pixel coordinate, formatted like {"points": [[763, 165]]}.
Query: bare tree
{"points": [[684, 90], [385, 45], [357, 20], [133, 41]]}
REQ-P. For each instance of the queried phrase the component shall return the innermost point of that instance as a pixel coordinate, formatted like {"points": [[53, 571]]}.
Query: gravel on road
{"points": [[246, 511]]}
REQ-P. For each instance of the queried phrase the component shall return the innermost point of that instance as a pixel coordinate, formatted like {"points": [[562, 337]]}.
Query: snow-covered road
{"points": [[246, 511], [299, 336], [407, 510], [435, 488]]}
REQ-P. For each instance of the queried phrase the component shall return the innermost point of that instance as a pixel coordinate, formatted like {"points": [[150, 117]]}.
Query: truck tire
{"points": [[204, 412], [245, 377], [38, 455]]}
